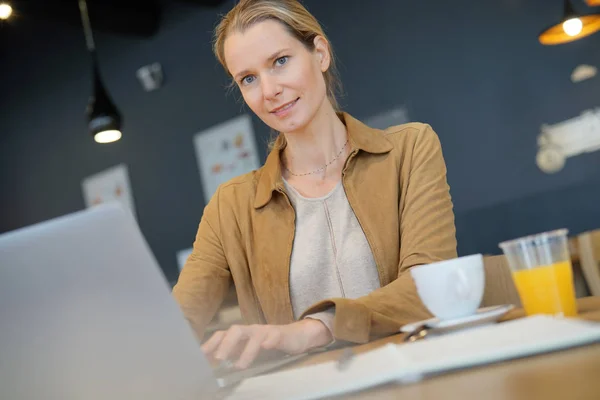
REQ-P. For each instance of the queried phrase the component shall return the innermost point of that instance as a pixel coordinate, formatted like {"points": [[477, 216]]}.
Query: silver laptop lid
{"points": [[86, 313]]}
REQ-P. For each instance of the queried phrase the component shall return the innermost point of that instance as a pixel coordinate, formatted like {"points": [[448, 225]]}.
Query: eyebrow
{"points": [[270, 59]]}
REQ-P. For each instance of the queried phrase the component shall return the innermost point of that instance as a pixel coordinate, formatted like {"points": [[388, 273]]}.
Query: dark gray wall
{"points": [[473, 70]]}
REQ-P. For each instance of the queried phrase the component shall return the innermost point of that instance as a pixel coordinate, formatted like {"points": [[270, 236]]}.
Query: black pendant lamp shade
{"points": [[104, 120], [573, 26]]}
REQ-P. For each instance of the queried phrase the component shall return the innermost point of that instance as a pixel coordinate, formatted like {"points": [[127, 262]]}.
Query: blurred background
{"points": [[475, 70]]}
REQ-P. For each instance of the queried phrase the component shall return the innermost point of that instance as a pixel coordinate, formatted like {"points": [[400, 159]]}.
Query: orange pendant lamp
{"points": [[573, 26]]}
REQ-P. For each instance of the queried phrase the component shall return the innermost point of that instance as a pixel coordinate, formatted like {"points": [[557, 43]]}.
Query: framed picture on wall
{"points": [[225, 151], [110, 185]]}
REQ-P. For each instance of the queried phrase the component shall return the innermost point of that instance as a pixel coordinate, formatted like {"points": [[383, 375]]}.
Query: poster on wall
{"points": [[111, 185], [225, 151], [385, 119], [182, 256]]}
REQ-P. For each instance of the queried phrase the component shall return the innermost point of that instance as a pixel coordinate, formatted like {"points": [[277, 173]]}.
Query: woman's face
{"points": [[280, 79]]}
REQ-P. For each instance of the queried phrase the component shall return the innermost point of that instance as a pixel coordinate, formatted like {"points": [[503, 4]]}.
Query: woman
{"points": [[320, 240]]}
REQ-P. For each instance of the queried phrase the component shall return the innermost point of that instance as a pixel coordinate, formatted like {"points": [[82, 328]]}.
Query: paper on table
{"points": [[499, 342], [476, 346], [365, 370]]}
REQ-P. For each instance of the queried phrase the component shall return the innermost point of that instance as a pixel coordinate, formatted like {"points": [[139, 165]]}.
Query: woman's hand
{"points": [[249, 340]]}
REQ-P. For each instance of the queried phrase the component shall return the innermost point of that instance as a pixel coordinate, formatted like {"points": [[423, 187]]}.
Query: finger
{"points": [[272, 340], [251, 350], [211, 344], [234, 335]]}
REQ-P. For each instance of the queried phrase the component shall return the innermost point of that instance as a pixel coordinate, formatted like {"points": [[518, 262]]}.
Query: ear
{"points": [[322, 52]]}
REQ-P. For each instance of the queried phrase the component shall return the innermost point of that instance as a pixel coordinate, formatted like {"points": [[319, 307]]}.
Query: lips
{"points": [[284, 107]]}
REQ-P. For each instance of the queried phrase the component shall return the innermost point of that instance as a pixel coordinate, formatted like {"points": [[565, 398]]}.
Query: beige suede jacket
{"points": [[395, 181]]}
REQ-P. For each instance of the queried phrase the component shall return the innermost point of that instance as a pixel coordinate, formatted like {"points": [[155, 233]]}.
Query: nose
{"points": [[270, 87]]}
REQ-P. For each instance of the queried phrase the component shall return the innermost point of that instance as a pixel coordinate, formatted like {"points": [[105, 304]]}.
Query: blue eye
{"points": [[248, 79], [282, 60]]}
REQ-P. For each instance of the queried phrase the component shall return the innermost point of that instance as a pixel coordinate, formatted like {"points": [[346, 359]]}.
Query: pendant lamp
{"points": [[104, 120], [573, 26], [5, 11]]}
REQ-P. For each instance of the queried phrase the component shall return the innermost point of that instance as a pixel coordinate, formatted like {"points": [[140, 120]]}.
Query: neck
{"points": [[317, 144]]}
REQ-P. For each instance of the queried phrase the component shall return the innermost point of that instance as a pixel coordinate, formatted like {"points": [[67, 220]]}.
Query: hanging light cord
{"points": [[87, 28]]}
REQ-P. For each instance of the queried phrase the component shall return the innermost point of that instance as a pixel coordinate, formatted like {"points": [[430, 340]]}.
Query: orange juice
{"points": [[547, 289]]}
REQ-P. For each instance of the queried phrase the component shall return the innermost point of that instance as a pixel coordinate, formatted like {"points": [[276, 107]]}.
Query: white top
{"points": [[330, 256]]}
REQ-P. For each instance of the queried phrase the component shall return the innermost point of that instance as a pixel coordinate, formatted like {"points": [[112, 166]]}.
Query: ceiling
{"points": [[140, 18]]}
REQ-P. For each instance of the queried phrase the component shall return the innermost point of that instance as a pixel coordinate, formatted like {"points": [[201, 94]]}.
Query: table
{"points": [[567, 374]]}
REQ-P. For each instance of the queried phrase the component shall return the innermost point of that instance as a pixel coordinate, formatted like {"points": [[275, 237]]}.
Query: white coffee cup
{"points": [[452, 288]]}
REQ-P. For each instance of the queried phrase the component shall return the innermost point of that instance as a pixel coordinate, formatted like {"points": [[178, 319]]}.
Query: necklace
{"points": [[323, 167]]}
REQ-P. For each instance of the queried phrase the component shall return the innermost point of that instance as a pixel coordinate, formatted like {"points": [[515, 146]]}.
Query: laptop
{"points": [[86, 313]]}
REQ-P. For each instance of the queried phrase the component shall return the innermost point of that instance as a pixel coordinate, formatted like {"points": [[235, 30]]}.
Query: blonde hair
{"points": [[298, 21]]}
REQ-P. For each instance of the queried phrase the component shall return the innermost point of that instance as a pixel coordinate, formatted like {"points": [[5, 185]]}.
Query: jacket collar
{"points": [[360, 135]]}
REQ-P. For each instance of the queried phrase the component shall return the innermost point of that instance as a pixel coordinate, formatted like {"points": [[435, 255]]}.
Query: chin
{"points": [[291, 126], [296, 122]]}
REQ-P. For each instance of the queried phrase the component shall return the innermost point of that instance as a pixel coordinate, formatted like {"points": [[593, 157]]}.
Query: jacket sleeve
{"points": [[205, 277], [427, 234]]}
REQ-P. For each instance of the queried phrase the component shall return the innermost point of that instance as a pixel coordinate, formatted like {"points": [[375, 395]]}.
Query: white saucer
{"points": [[481, 316]]}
